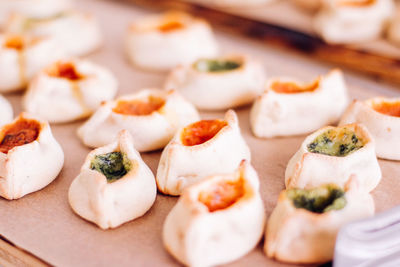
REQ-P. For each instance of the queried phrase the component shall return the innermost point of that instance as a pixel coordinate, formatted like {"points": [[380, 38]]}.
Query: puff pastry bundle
{"points": [[77, 33], [152, 117], [6, 111], [219, 83], [288, 107], [331, 155], [30, 157], [217, 220], [237, 3], [68, 90], [350, 21], [382, 118], [22, 57], [161, 42], [201, 149], [303, 226], [114, 185], [394, 28]]}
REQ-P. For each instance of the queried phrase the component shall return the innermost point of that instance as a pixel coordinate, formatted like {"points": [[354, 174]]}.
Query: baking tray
{"points": [[42, 223]]}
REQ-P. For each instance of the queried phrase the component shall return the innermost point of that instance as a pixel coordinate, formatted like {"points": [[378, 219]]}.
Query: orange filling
{"points": [[388, 108], [292, 88], [201, 131], [65, 70], [171, 26], [15, 42], [19, 133], [223, 195], [139, 107], [355, 3]]}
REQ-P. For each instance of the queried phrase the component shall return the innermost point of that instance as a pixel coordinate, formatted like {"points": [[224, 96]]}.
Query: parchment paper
{"points": [[44, 224]]}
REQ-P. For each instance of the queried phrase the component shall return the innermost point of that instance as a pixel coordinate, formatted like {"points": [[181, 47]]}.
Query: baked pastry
{"points": [[238, 3], [6, 111], [30, 157], [219, 83], [22, 57], [161, 42], [394, 28], [303, 226], [114, 185], [201, 149], [32, 8], [69, 90], [76, 32], [350, 21], [331, 155], [217, 220], [382, 118], [152, 117], [311, 5], [288, 107]]}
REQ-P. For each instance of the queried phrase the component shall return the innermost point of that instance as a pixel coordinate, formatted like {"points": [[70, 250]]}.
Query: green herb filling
{"points": [[336, 142], [113, 165], [216, 65], [318, 200]]}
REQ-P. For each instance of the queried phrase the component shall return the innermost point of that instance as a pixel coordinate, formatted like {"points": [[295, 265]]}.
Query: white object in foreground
{"points": [[161, 42], [217, 220], [30, 157], [201, 149], [332, 155], [303, 226], [382, 118], [69, 90], [288, 107], [151, 116], [114, 185], [6, 111], [219, 83]]}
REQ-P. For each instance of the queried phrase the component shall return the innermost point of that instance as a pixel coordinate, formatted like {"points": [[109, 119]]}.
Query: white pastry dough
{"points": [[350, 21], [237, 3], [78, 33], [152, 117], [21, 58], [68, 90], [298, 235], [161, 42], [201, 149], [394, 28], [219, 83], [126, 193], [331, 155], [288, 107], [216, 221], [30, 157], [382, 118], [6, 111], [32, 8]]}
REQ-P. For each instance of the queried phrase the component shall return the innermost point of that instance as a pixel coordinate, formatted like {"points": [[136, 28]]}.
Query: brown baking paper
{"points": [[43, 222]]}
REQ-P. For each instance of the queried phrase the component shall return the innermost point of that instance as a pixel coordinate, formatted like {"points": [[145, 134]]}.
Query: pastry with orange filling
{"points": [[114, 185], [217, 220], [353, 21], [69, 90], [382, 118], [151, 116], [288, 107], [332, 155], [220, 82], [201, 149], [393, 33], [30, 157], [302, 228], [6, 111], [22, 57], [161, 42], [237, 3], [78, 33]]}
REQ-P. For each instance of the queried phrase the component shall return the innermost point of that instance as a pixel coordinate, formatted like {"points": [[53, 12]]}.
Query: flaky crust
{"points": [[111, 204], [308, 170], [197, 237]]}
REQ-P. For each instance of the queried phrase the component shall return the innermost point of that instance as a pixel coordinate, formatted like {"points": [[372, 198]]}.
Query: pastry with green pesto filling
{"points": [[219, 83], [332, 155], [302, 228], [114, 186]]}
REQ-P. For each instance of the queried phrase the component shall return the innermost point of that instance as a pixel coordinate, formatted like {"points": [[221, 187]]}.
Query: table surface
{"points": [[43, 224]]}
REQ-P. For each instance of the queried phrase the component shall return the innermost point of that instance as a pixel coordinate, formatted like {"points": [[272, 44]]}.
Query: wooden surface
{"points": [[11, 256]]}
